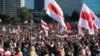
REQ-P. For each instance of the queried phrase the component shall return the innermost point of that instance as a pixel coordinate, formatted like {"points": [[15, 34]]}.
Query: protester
{"points": [[33, 51], [31, 41], [7, 53]]}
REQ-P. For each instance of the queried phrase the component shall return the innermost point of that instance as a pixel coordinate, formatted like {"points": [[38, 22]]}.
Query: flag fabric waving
{"points": [[80, 32], [45, 27], [88, 19], [51, 26], [55, 12], [46, 32], [68, 26]]}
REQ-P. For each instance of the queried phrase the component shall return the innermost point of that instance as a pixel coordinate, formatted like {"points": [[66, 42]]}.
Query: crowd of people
{"points": [[31, 41]]}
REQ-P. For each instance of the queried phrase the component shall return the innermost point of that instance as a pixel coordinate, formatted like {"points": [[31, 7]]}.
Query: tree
{"points": [[75, 15], [13, 20], [3, 18], [8, 19], [24, 14]]}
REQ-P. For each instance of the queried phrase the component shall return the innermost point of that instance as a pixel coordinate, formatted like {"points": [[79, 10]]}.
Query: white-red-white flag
{"points": [[80, 32], [51, 26], [55, 12], [46, 32], [68, 26], [45, 27], [62, 29], [88, 19]]}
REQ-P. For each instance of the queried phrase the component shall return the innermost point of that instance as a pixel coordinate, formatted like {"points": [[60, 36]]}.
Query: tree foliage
{"points": [[24, 14], [8, 19], [75, 15]]}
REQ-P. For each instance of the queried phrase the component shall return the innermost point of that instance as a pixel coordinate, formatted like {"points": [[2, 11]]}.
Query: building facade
{"points": [[22, 3], [1, 6], [68, 6], [29, 4], [94, 5], [37, 5], [10, 6]]}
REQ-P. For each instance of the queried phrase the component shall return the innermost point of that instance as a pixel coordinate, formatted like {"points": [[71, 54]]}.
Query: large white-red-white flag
{"points": [[45, 27], [55, 12], [88, 20]]}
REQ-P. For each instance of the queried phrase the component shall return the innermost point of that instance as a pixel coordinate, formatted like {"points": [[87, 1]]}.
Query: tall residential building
{"points": [[68, 6], [39, 5], [10, 6], [2, 6], [22, 3], [29, 4], [46, 4]]}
